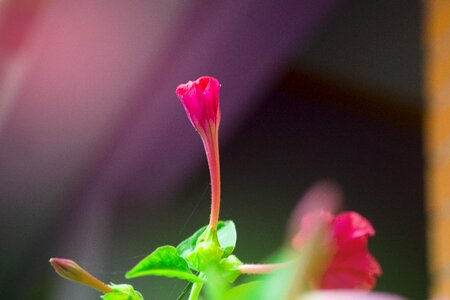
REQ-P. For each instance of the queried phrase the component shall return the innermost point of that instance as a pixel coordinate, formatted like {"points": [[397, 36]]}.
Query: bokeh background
{"points": [[99, 163]]}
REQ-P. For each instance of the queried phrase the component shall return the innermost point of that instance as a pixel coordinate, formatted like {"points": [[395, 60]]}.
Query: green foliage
{"points": [[164, 261], [228, 268], [204, 248], [207, 251], [204, 255], [187, 246], [247, 291], [226, 234], [122, 292], [216, 284]]}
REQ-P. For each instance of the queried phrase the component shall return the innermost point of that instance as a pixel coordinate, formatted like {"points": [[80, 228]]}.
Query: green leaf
{"points": [[187, 246], [164, 261], [226, 232], [247, 291], [122, 292]]}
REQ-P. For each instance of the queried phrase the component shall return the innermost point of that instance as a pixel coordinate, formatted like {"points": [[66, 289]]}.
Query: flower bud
{"points": [[70, 270], [200, 99]]}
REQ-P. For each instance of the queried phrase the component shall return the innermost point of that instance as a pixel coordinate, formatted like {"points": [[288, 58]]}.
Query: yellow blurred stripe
{"points": [[438, 19], [437, 138]]}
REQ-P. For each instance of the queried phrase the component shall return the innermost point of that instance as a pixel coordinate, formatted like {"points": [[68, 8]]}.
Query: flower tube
{"points": [[200, 99]]}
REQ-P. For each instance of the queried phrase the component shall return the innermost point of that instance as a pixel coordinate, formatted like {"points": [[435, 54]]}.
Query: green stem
{"points": [[195, 291]]}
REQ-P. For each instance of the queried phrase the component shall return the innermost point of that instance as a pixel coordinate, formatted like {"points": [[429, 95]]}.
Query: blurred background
{"points": [[99, 163]]}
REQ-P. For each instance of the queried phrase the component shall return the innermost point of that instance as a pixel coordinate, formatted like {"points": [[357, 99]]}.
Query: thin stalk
{"points": [[212, 154], [260, 268], [195, 291]]}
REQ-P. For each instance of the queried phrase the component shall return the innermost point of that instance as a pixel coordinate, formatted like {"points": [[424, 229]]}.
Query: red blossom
{"points": [[351, 266], [200, 99]]}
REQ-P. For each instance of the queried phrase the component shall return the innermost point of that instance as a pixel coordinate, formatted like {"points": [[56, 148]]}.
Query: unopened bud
{"points": [[70, 270]]}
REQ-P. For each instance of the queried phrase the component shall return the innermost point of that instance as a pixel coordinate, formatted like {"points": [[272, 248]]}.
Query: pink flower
{"points": [[350, 264], [200, 99]]}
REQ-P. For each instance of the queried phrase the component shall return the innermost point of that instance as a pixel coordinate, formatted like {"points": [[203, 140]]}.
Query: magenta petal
{"points": [[357, 261], [200, 99], [351, 266], [351, 225], [345, 279]]}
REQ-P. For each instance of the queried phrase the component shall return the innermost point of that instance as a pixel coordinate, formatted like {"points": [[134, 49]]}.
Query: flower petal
{"points": [[200, 99], [351, 225]]}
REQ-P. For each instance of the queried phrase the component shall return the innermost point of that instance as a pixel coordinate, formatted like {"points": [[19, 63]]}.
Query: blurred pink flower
{"points": [[350, 264], [200, 99], [348, 294]]}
